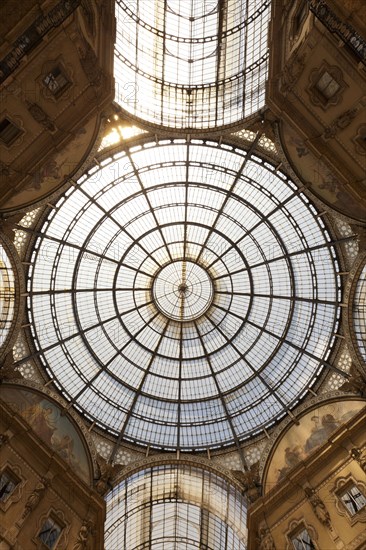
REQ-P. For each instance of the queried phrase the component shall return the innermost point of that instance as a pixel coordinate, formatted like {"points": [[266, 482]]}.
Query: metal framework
{"points": [[184, 295], [7, 295], [187, 64], [359, 313], [175, 507]]}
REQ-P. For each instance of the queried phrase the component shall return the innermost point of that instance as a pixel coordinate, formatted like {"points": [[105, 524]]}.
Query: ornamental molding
{"points": [[19, 289], [178, 460], [349, 297]]}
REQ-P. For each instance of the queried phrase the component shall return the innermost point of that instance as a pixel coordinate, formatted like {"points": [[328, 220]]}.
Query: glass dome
{"points": [[183, 295], [188, 64]]}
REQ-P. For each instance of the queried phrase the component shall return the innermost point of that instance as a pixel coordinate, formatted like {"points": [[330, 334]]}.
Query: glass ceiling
{"points": [[174, 507], [359, 313], [6, 295], [183, 295], [191, 64]]}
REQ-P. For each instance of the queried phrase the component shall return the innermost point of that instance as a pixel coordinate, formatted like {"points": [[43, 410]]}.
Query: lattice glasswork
{"points": [[184, 295], [359, 313], [188, 64], [7, 295], [174, 506]]}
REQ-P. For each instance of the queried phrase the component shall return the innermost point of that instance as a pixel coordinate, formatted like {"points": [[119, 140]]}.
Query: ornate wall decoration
{"points": [[360, 140], [250, 481], [264, 538], [35, 497], [318, 507], [108, 472], [40, 116], [292, 71], [357, 382], [299, 441], [340, 123], [90, 64], [52, 426], [34, 33], [360, 456], [84, 536]]}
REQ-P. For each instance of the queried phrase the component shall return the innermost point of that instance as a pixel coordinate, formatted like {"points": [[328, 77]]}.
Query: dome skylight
{"points": [[183, 295]]}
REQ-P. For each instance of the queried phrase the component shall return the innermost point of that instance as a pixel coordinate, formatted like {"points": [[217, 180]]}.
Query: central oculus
{"points": [[182, 290]]}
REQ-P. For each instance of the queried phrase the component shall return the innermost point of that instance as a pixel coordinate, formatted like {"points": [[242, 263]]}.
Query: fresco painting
{"points": [[51, 426], [323, 183], [314, 430]]}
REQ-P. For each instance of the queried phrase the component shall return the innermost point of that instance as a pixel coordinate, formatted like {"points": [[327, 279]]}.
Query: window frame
{"points": [[12, 477], [296, 528], [299, 531], [317, 97], [15, 126], [51, 517], [62, 73]]}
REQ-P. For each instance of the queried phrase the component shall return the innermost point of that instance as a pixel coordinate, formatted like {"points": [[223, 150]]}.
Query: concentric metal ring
{"points": [[191, 362], [182, 290]]}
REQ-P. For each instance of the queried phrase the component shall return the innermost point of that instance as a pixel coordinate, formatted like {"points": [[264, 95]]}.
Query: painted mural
{"points": [[55, 171], [51, 426], [313, 431], [324, 184]]}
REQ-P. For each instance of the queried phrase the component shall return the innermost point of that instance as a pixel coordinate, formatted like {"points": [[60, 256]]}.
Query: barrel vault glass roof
{"points": [[191, 64], [171, 507], [359, 313], [183, 295], [7, 292]]}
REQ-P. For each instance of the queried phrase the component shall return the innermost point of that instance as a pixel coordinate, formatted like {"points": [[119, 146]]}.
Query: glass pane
{"points": [[189, 295], [7, 485], [189, 64], [353, 499], [178, 507]]}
